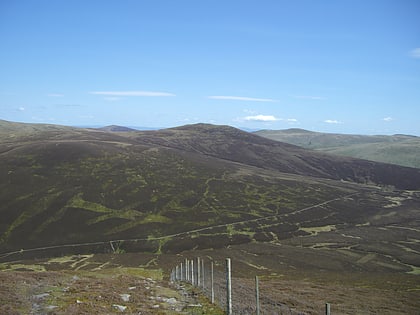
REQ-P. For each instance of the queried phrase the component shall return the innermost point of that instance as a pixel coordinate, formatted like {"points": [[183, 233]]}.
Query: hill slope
{"points": [[401, 150], [174, 189]]}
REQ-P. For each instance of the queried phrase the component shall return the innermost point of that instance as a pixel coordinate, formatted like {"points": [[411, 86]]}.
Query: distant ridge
{"points": [[397, 149], [115, 128]]}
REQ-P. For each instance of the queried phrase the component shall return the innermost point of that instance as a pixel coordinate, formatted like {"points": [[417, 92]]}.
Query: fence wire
{"points": [[211, 278]]}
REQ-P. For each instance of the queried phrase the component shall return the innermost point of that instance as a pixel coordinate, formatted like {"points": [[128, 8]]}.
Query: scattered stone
{"points": [[171, 301], [156, 306], [40, 296], [51, 307], [121, 308], [132, 288], [150, 280], [125, 297], [78, 302]]}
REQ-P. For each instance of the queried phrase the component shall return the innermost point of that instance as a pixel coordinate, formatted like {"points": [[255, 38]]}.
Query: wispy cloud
{"points": [[112, 98], [332, 121], [387, 119], [21, 109], [309, 97], [68, 105], [291, 120], [131, 93], [265, 118], [240, 98], [250, 111], [55, 95], [415, 53]]}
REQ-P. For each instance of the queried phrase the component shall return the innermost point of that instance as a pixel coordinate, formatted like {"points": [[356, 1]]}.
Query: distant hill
{"points": [[396, 149], [195, 186], [115, 128]]}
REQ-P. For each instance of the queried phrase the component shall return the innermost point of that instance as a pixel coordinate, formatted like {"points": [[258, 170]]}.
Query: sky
{"points": [[345, 66]]}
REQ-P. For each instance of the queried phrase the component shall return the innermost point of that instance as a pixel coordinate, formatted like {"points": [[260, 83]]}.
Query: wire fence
{"points": [[235, 295]]}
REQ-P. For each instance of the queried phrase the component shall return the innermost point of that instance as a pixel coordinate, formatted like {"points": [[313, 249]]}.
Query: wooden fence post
{"points": [[192, 271], [212, 282], [228, 287], [327, 309], [257, 295], [187, 269], [198, 272], [202, 273]]}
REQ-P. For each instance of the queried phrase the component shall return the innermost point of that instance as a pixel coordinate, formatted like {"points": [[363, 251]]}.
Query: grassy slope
{"points": [[405, 153], [315, 140], [397, 149]]}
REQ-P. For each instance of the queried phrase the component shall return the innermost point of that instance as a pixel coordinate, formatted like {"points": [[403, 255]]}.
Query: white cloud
{"points": [[131, 93], [291, 120], [21, 109], [308, 97], [388, 119], [261, 118], [332, 121], [415, 53], [240, 98]]}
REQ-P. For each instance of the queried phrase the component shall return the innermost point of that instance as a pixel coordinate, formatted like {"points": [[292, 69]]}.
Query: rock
{"points": [[171, 301], [125, 297], [121, 308]]}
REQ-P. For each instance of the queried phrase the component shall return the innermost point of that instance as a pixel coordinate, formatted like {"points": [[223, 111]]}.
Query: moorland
{"points": [[313, 225]]}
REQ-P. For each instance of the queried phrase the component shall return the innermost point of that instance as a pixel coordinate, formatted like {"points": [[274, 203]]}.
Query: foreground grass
{"points": [[95, 284]]}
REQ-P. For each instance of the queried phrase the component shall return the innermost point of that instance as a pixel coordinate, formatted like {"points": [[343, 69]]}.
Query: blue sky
{"points": [[333, 66]]}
